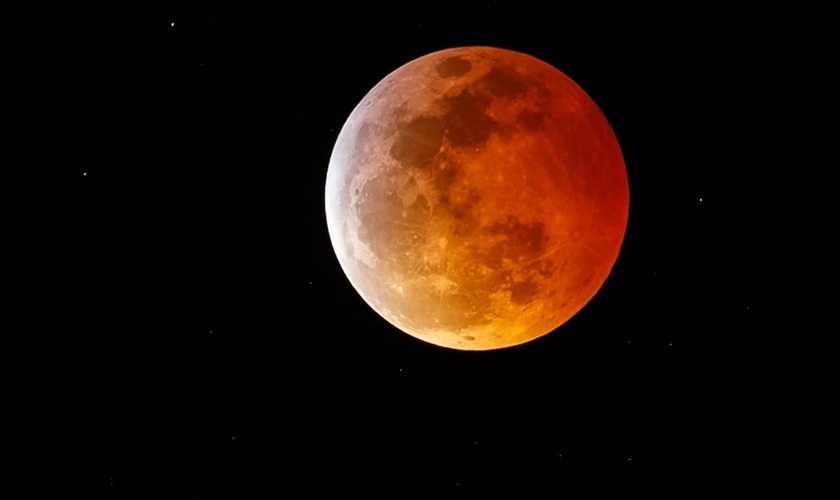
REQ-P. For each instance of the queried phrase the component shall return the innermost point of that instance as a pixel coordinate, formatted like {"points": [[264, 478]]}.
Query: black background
{"points": [[187, 332]]}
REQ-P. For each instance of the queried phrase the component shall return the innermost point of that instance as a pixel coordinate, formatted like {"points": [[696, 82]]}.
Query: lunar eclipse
{"points": [[477, 198]]}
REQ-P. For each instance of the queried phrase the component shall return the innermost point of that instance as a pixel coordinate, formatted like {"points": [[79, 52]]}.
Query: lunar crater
{"points": [[453, 67]]}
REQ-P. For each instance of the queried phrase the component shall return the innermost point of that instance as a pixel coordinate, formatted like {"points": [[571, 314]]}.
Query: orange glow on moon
{"points": [[476, 198]]}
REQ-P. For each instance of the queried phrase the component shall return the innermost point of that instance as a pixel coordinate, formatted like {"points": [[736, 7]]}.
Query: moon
{"points": [[476, 198]]}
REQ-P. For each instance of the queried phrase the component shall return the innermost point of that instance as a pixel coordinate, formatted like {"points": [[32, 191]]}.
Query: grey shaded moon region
{"points": [[476, 198]]}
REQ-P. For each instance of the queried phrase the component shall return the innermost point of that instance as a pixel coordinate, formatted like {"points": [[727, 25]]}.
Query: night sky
{"points": [[189, 333]]}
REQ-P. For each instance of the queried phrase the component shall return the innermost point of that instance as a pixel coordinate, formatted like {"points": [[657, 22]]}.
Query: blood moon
{"points": [[476, 198]]}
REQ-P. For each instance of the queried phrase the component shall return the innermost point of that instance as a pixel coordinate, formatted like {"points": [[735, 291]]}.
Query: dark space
{"points": [[186, 331]]}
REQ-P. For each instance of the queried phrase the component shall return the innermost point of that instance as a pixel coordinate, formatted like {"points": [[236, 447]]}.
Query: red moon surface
{"points": [[476, 198]]}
